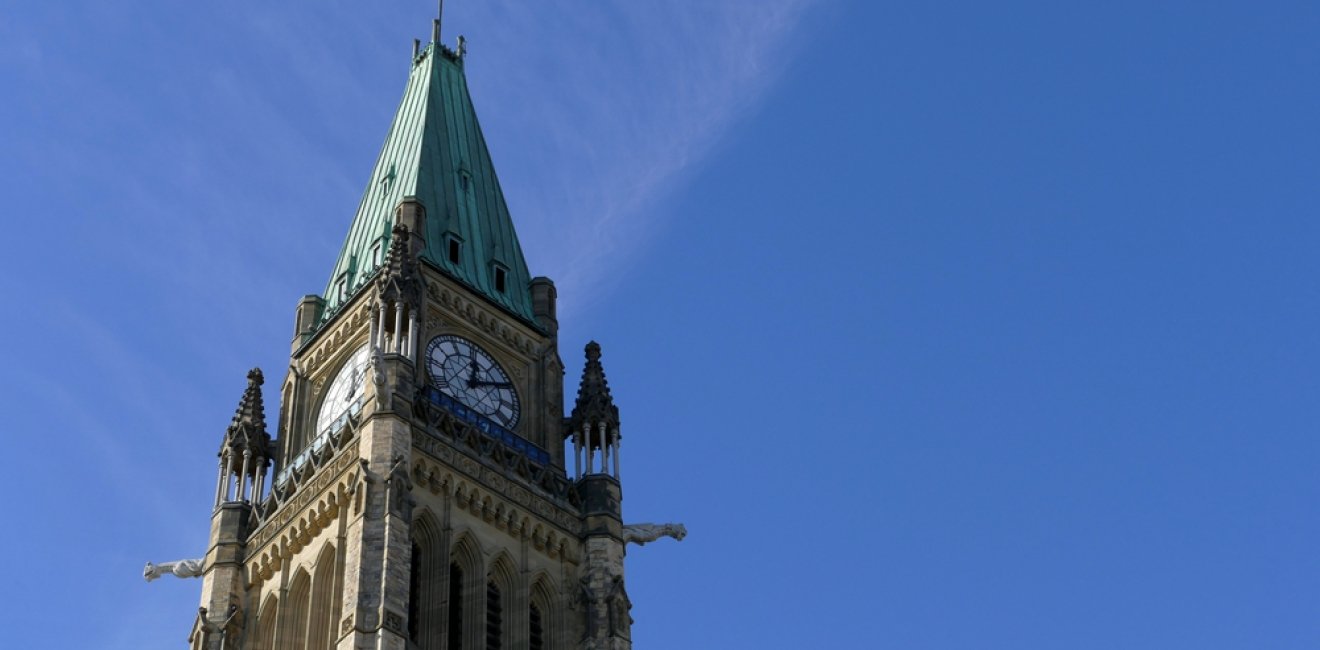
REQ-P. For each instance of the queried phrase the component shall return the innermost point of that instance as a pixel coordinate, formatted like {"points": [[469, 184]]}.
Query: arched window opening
{"points": [[541, 615], [534, 632], [298, 605], [455, 607], [321, 619], [266, 624], [494, 624], [415, 595]]}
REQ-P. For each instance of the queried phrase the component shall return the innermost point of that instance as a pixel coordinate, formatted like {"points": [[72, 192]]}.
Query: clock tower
{"points": [[420, 485]]}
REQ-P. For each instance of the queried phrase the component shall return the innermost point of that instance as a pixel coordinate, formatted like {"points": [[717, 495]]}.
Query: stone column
{"points": [[412, 334], [262, 463], [577, 457], [220, 480], [378, 544], [398, 328], [618, 442], [242, 477]]}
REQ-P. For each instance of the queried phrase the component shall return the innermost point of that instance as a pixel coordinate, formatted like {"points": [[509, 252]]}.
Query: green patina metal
{"points": [[436, 153]]}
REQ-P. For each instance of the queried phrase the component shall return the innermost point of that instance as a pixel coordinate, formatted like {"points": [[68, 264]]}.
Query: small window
{"points": [[341, 289], [375, 255], [387, 180], [455, 248], [499, 279], [464, 181]]}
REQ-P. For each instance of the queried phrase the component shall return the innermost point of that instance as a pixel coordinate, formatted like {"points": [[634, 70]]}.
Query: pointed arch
{"points": [[501, 581], [541, 614], [428, 583], [467, 585], [266, 618], [502, 568], [294, 634], [321, 616]]}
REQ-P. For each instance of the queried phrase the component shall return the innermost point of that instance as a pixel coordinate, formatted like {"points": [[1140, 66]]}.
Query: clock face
{"points": [[460, 369], [345, 391]]}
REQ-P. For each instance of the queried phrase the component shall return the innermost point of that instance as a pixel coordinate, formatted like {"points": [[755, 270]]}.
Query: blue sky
{"points": [[940, 325]]}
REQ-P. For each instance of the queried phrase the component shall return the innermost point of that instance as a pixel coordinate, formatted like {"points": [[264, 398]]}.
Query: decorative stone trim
{"points": [[328, 343], [300, 519], [394, 622], [479, 317], [503, 505], [442, 433]]}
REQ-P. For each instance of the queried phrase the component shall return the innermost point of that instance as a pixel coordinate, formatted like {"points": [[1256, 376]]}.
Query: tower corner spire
{"points": [[594, 405], [247, 429], [594, 423], [246, 451]]}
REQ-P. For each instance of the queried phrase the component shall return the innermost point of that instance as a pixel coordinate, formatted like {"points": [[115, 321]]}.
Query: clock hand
{"points": [[496, 384], [472, 378]]}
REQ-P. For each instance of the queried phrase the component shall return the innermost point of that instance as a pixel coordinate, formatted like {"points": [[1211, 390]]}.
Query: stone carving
{"points": [[640, 534], [377, 366], [224, 634], [618, 606], [177, 568], [605, 603], [397, 485], [394, 621], [328, 503], [587, 600], [455, 305]]}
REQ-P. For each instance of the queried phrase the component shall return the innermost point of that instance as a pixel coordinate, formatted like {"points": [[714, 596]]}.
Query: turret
{"points": [[244, 458], [306, 319], [594, 424], [246, 452], [399, 286], [543, 305]]}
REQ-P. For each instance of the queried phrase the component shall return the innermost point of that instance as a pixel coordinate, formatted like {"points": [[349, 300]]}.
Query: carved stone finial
{"points": [[398, 279], [594, 404], [247, 430]]}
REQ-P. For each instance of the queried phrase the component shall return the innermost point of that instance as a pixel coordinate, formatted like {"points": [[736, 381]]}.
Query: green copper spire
{"points": [[436, 153]]}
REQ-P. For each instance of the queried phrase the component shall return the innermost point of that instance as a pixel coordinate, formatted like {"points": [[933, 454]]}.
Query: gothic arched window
{"points": [[540, 615], [415, 595], [535, 631], [266, 623], [426, 586], [494, 620], [455, 607], [322, 614], [298, 604]]}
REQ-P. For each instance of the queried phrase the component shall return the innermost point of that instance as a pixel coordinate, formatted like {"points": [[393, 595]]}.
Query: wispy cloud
{"points": [[594, 112], [608, 110]]}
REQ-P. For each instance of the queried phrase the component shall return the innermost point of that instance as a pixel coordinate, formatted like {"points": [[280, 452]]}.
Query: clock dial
{"points": [[460, 369], [345, 391]]}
